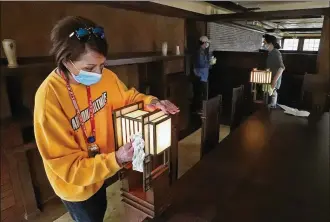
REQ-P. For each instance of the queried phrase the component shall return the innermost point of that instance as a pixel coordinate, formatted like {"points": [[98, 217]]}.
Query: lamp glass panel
{"points": [[258, 76], [151, 139], [128, 109], [163, 134], [258, 73], [146, 139], [119, 132], [149, 131], [156, 115], [131, 122], [162, 131], [123, 123], [129, 126], [136, 114], [269, 76]]}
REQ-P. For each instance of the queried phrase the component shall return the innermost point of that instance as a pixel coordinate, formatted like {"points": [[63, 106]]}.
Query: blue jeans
{"points": [[273, 101], [200, 93], [274, 96], [90, 210]]}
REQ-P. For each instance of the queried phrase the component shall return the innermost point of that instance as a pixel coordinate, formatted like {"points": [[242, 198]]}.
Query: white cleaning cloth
{"points": [[213, 60], [294, 111], [138, 156]]}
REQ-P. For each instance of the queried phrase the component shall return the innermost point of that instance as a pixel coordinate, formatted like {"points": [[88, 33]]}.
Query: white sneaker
{"points": [[271, 106]]}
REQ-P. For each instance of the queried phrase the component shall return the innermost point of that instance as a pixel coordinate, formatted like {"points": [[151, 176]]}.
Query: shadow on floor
{"points": [[189, 148]]}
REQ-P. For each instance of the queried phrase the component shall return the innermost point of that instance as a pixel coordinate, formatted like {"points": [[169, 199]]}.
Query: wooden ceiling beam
{"points": [[150, 7], [297, 30], [231, 6], [269, 15]]}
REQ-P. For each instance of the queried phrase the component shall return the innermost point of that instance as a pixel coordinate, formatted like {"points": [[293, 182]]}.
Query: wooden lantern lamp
{"points": [[145, 195], [263, 78]]}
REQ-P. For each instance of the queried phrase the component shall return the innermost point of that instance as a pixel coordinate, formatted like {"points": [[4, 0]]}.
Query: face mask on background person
{"points": [[86, 78], [265, 46]]}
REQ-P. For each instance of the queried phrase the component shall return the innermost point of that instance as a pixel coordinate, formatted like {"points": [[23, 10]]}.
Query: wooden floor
{"points": [[189, 149], [279, 177], [273, 168]]}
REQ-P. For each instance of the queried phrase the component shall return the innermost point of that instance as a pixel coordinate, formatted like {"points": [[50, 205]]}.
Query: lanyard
{"points": [[90, 109]]}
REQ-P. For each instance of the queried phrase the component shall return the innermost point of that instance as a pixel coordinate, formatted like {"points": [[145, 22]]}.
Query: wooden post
{"points": [[323, 56], [323, 66], [174, 149]]}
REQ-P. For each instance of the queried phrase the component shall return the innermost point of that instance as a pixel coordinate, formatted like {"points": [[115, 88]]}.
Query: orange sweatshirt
{"points": [[73, 175]]}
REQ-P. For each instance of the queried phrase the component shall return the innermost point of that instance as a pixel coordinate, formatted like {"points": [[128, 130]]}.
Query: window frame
{"points": [[303, 44], [294, 50], [300, 44]]}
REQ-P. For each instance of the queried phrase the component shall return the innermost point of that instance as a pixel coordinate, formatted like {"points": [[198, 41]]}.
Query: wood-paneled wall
{"points": [[30, 23]]}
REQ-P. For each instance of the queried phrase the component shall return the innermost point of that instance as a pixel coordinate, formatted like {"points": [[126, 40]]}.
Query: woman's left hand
{"points": [[273, 84], [164, 105]]}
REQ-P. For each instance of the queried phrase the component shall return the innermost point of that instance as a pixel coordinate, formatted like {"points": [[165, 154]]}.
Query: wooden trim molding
{"points": [[112, 60], [269, 15], [149, 7]]}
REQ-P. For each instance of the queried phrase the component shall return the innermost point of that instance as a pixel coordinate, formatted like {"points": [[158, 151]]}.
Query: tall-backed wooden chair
{"points": [[237, 107], [314, 93], [210, 124]]}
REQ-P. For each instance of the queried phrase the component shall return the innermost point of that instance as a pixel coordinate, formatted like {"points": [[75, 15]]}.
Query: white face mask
{"points": [[86, 78], [207, 45], [265, 46]]}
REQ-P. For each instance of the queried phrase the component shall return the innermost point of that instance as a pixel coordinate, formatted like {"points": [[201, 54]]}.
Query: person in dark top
{"points": [[202, 65], [275, 64]]}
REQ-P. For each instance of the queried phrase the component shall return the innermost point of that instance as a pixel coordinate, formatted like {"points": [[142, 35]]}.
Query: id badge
{"points": [[93, 150]]}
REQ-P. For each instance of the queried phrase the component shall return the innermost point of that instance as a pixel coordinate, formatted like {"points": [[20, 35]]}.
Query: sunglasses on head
{"points": [[84, 34]]}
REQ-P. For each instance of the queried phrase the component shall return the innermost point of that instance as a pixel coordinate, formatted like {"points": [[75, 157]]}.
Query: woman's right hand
{"points": [[125, 154]]}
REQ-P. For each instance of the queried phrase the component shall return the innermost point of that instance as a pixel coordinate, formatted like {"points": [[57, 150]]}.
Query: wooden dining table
{"points": [[273, 168]]}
